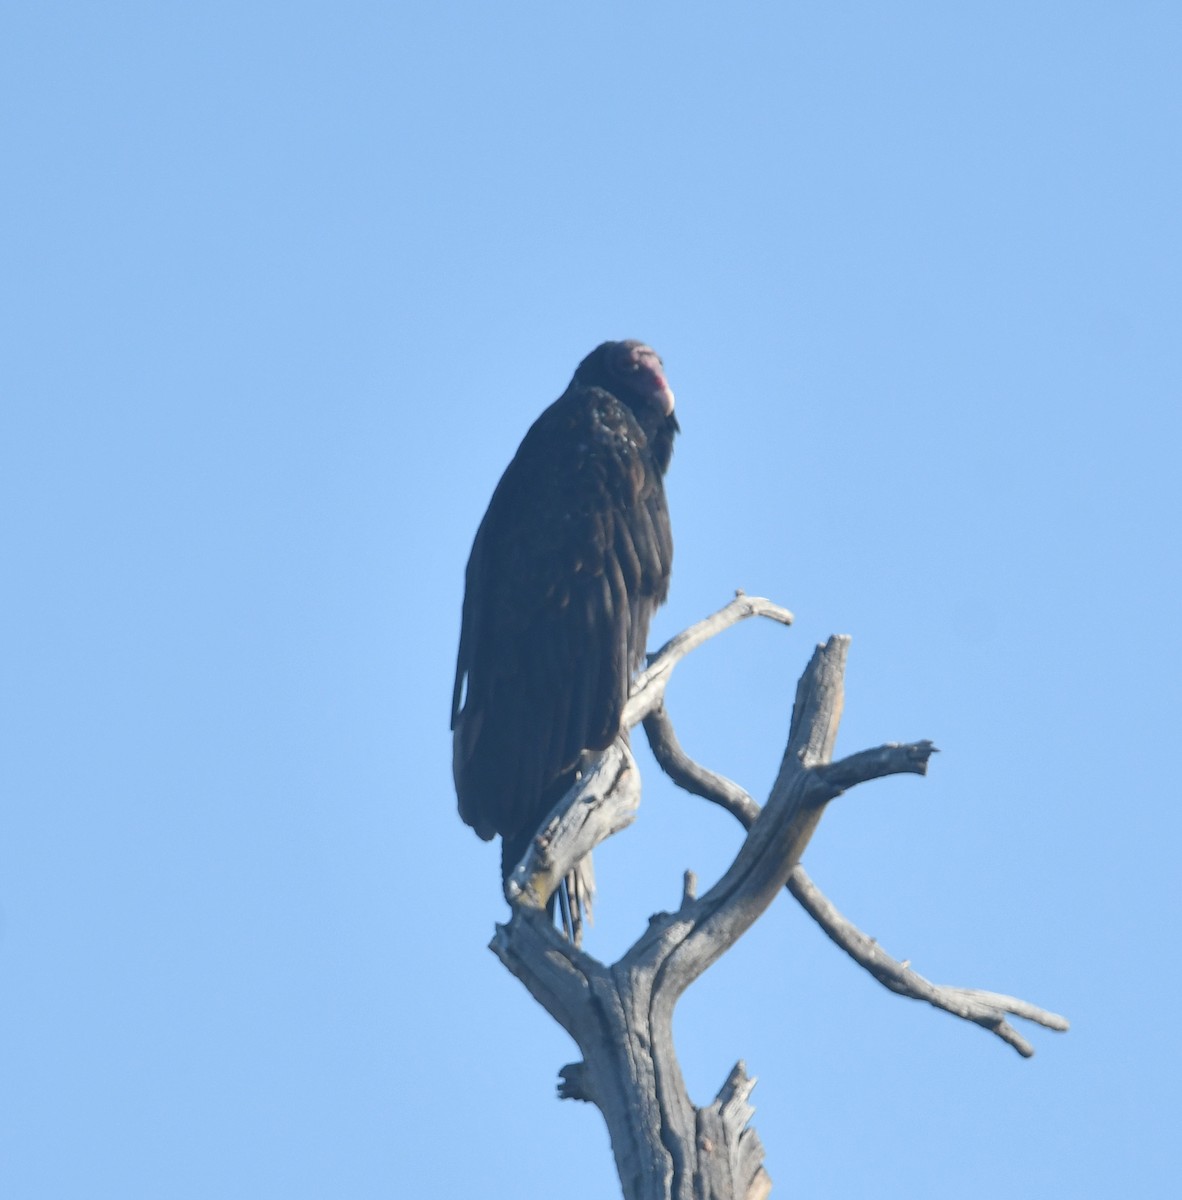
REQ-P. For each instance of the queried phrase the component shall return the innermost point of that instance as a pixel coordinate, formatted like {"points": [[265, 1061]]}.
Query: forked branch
{"points": [[987, 1009], [621, 1016]]}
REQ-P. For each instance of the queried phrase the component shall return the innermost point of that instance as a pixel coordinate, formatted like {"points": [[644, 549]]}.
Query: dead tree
{"points": [[621, 1016]]}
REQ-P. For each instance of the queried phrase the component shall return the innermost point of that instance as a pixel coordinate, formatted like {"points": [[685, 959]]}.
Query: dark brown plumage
{"points": [[569, 564]]}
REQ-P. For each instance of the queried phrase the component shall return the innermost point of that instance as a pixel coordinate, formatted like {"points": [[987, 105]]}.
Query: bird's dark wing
{"points": [[567, 567]]}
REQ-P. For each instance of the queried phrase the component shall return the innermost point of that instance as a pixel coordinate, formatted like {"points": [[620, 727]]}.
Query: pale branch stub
{"points": [[620, 1016]]}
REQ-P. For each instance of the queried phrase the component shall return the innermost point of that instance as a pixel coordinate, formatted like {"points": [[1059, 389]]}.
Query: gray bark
{"points": [[620, 1016]]}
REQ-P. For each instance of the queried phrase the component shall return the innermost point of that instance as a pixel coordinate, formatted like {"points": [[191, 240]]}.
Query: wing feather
{"points": [[567, 566]]}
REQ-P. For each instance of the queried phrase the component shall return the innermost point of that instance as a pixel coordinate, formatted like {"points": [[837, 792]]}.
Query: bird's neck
{"points": [[660, 440]]}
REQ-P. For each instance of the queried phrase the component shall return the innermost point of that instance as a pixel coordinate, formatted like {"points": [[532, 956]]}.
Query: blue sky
{"points": [[283, 286]]}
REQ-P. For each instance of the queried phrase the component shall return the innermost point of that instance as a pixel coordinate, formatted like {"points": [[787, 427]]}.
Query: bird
{"points": [[571, 560]]}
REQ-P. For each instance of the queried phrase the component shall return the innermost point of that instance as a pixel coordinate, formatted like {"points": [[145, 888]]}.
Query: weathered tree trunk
{"points": [[621, 1016]]}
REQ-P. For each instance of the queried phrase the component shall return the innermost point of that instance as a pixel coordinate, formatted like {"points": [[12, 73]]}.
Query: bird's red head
{"points": [[628, 369]]}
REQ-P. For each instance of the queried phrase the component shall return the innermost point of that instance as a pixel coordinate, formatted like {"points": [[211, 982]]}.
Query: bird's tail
{"points": [[576, 895], [573, 898]]}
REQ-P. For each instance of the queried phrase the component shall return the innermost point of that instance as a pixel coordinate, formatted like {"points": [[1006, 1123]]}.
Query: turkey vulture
{"points": [[569, 564]]}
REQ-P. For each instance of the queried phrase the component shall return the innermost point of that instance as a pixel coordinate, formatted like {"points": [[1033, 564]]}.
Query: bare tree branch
{"points": [[776, 839], [649, 687], [691, 776], [987, 1009], [621, 1016], [602, 802]]}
